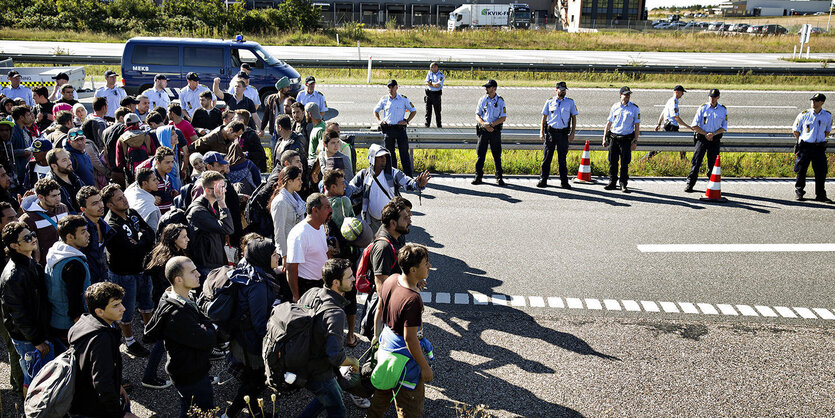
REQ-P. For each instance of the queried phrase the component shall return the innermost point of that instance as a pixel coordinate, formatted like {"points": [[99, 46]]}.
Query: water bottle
{"points": [[289, 378]]}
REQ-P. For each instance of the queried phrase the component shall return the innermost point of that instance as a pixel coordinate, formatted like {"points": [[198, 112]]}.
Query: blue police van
{"points": [[144, 57]]}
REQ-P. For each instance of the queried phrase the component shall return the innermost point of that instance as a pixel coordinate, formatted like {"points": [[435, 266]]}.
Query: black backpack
{"points": [[219, 302], [287, 344]]}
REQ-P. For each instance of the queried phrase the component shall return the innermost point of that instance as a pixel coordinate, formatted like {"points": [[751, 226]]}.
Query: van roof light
{"points": [[239, 38]]}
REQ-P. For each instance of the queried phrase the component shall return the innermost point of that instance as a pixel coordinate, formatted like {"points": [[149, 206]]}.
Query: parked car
{"points": [[715, 26], [740, 27], [814, 30], [754, 29], [773, 30]]}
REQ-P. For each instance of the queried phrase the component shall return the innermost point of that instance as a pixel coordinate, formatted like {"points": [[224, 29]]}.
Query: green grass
{"points": [[654, 41]]}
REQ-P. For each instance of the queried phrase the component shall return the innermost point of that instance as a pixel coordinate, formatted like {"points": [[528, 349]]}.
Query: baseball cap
{"points": [[61, 76], [561, 86], [714, 93], [7, 122], [309, 79], [312, 108], [128, 100], [282, 83], [246, 66], [110, 73], [391, 83], [490, 83], [819, 97], [41, 145], [214, 157], [160, 77], [131, 119], [13, 73], [625, 90], [192, 77], [243, 74], [679, 88]]}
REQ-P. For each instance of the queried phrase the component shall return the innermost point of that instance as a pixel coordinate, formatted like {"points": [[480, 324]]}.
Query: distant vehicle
{"points": [[820, 13], [673, 18], [773, 30], [657, 22], [754, 29], [43, 76], [716, 26], [690, 15], [815, 29], [691, 25], [514, 15], [738, 27]]}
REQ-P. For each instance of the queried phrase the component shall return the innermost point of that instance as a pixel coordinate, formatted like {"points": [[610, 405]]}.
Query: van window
{"points": [[203, 57], [246, 56], [156, 55]]}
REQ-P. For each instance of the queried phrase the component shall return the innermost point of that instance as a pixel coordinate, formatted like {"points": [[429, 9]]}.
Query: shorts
{"points": [[138, 291]]}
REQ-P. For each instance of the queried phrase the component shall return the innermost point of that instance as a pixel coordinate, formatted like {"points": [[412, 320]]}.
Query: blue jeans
{"points": [[154, 359], [23, 347], [197, 394], [328, 397], [138, 290]]}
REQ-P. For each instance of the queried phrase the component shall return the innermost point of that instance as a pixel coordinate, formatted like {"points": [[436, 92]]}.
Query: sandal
{"points": [[356, 341]]}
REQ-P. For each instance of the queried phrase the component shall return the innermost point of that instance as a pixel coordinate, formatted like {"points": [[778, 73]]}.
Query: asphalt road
{"points": [[457, 54], [531, 250]]}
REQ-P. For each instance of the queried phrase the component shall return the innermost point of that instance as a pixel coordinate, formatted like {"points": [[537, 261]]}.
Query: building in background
{"points": [[774, 7], [576, 15]]}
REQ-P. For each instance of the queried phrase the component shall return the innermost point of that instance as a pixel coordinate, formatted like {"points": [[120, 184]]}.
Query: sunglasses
{"points": [[29, 237], [76, 135]]}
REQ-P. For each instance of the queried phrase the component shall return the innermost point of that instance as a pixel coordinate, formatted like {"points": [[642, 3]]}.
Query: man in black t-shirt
{"points": [[43, 107], [238, 101], [207, 117]]}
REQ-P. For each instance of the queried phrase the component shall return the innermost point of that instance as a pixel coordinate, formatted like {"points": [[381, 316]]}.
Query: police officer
{"points": [[393, 123], [621, 136], [811, 128], [311, 95], [434, 88], [490, 113], [190, 94], [157, 96], [670, 115], [559, 122], [17, 91], [709, 123], [113, 93]]}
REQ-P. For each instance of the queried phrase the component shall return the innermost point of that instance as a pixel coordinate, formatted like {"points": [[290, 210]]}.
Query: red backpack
{"points": [[365, 275]]}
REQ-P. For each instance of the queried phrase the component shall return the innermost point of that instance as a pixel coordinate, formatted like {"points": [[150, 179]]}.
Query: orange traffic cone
{"points": [[584, 172], [714, 186]]}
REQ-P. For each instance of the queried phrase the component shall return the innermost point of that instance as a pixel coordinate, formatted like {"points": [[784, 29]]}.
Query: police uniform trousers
{"points": [[494, 140], [814, 153], [556, 138], [669, 127], [396, 135], [620, 149], [433, 101], [703, 146]]}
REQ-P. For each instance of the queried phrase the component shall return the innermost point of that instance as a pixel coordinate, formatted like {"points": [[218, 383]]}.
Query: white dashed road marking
{"points": [[734, 248]]}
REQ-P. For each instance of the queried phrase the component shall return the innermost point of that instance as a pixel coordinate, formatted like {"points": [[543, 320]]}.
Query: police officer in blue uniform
{"points": [[559, 122], [393, 123], [434, 89], [490, 114], [811, 128], [621, 136], [709, 123]]}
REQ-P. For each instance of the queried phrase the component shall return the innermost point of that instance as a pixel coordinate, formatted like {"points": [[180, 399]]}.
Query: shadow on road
{"points": [[474, 192]]}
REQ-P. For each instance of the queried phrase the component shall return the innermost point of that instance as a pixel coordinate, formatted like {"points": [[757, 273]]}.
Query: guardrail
{"points": [[528, 139], [463, 66]]}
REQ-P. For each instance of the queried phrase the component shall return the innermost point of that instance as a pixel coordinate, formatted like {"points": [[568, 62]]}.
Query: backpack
{"points": [[257, 211], [219, 300], [132, 143], [53, 388], [365, 275], [287, 344]]}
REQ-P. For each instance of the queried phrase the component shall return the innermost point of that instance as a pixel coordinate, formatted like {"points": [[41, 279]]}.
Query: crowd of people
{"points": [[145, 203]]}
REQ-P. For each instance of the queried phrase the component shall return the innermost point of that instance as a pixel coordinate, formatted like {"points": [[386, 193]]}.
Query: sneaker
{"points": [[476, 181], [500, 182], [542, 183], [156, 383], [137, 350], [565, 185], [611, 186], [217, 354], [360, 402]]}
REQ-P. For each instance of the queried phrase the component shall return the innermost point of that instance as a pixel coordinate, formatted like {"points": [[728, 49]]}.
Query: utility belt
{"points": [[564, 131], [479, 130], [818, 146], [394, 127], [669, 127], [433, 92], [616, 137], [699, 137]]}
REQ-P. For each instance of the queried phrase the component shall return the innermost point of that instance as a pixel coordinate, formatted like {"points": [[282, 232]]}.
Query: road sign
{"points": [[805, 31]]}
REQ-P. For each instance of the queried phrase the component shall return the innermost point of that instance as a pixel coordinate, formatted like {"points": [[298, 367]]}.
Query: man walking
{"points": [[393, 123], [811, 128], [621, 136], [559, 123], [307, 247], [190, 94], [311, 95], [434, 89], [670, 115], [113, 93], [490, 114], [709, 123], [211, 221], [67, 275], [157, 96], [42, 213]]}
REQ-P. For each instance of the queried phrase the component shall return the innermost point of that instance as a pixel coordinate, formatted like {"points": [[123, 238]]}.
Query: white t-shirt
{"points": [[309, 248], [377, 198], [41, 171]]}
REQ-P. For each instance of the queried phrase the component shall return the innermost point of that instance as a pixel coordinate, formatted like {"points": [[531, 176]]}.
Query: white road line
{"points": [[805, 313], [574, 303], [650, 306], [441, 297], [746, 310], [426, 296], [785, 312], [726, 309], [766, 311], [631, 305], [707, 309], [740, 106], [611, 304], [517, 300], [688, 307], [593, 304], [499, 300], [669, 307], [537, 301], [480, 298], [555, 302], [824, 313], [733, 248], [462, 299]]}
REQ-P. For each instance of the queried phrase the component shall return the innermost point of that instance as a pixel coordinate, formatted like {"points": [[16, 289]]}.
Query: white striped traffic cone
{"points": [[714, 186], [584, 172]]}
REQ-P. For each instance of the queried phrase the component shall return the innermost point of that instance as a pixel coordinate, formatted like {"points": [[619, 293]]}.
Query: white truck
{"points": [[41, 76], [476, 15]]}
